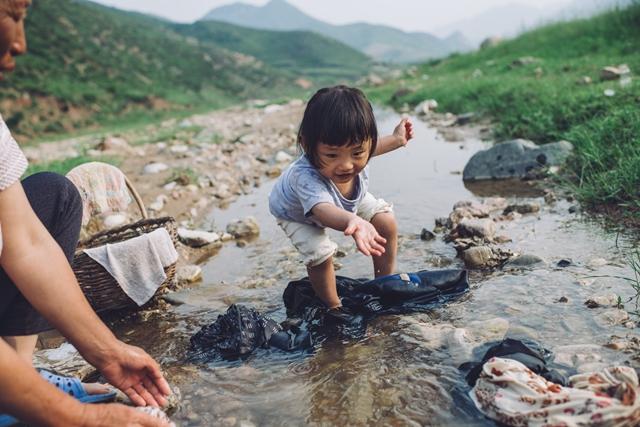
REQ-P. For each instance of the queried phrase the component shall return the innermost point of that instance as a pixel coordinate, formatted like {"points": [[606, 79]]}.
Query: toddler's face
{"points": [[343, 164]]}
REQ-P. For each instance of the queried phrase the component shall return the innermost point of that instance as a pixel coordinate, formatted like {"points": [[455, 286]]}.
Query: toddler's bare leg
{"points": [[385, 224], [323, 281]]}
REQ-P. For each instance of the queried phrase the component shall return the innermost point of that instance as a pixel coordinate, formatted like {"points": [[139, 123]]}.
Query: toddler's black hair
{"points": [[336, 116]]}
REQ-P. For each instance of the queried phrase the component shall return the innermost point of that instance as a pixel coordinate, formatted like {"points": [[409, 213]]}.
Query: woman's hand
{"points": [[134, 372], [368, 241], [403, 132]]}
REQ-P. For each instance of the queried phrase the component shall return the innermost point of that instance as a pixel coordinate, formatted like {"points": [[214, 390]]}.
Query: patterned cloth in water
{"points": [[510, 393]]}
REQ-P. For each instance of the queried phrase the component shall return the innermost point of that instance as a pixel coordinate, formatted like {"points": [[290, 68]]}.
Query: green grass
{"points": [[65, 165], [544, 102]]}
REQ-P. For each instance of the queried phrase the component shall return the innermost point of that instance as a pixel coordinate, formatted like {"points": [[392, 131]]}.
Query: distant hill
{"points": [[514, 18], [90, 64], [301, 53], [381, 42]]}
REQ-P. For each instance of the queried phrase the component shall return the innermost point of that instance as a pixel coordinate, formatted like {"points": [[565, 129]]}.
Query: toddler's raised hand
{"points": [[368, 241], [404, 131]]}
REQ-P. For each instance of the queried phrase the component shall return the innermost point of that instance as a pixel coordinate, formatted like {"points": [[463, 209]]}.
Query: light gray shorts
{"points": [[314, 244]]}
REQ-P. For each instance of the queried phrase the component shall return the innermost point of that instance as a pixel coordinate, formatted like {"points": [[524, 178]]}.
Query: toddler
{"points": [[328, 187]]}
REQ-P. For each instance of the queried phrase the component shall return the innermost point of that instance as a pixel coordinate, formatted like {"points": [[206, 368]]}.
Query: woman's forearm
{"points": [[27, 396], [36, 264]]}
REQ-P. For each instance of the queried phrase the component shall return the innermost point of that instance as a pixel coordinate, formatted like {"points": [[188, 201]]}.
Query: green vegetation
{"points": [[300, 53], [89, 66], [547, 100], [65, 165]]}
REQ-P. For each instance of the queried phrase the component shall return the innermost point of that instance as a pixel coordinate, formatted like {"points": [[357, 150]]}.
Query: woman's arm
{"points": [[38, 267]]}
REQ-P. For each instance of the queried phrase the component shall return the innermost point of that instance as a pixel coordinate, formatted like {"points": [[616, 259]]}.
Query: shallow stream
{"points": [[404, 372]]}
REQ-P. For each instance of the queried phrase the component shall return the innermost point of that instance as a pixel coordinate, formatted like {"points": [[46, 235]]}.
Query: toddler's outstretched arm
{"points": [[368, 241], [399, 138]]}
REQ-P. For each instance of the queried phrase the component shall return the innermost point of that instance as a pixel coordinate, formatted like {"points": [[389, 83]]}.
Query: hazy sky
{"points": [[408, 15]]}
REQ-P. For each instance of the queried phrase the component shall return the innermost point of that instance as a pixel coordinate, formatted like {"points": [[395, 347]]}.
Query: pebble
{"points": [[478, 256], [153, 168], [427, 235], [197, 238], [597, 262], [247, 227], [282, 157], [565, 262], [524, 261], [189, 274]]}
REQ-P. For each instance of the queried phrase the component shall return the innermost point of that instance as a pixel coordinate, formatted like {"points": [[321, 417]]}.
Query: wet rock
{"points": [[564, 263], [563, 300], [515, 159], [578, 354], [156, 413], [608, 300], [242, 228], [474, 209], [197, 238], [614, 73], [478, 257], [226, 237], [228, 421], [612, 317], [153, 168], [495, 203], [65, 360], [522, 209], [549, 196], [483, 228], [188, 274], [425, 107], [427, 235], [574, 209], [597, 262], [442, 222], [524, 261]]}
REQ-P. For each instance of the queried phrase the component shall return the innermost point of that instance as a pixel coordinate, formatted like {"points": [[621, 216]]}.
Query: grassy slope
{"points": [[300, 52], [548, 104], [91, 65]]}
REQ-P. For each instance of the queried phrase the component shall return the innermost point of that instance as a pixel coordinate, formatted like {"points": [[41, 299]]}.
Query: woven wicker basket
{"points": [[100, 288]]}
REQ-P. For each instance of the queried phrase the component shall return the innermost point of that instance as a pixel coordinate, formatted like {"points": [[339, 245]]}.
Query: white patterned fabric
{"points": [[510, 393], [13, 163]]}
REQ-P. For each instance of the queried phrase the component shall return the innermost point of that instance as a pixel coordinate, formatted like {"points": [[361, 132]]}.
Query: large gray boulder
{"points": [[518, 158]]}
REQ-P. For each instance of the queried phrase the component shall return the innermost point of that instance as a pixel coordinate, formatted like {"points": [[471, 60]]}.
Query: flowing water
{"points": [[404, 372]]}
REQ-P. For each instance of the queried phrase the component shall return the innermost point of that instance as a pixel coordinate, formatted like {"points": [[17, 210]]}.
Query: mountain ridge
{"points": [[381, 42]]}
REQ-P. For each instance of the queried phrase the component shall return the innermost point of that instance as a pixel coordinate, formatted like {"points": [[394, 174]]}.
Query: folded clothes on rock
{"points": [[241, 330], [514, 386]]}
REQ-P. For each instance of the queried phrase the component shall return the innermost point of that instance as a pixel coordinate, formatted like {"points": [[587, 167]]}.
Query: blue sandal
{"points": [[73, 387], [69, 385]]}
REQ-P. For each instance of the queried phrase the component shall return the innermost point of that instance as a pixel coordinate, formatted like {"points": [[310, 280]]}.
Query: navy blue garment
{"points": [[241, 330]]}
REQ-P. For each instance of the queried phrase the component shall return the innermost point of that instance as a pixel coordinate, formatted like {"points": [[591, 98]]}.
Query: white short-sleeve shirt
{"points": [[13, 163]]}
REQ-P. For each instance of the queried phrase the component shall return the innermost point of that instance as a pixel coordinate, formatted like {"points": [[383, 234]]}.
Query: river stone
{"points": [[525, 208], [608, 300], [612, 317], [426, 106], [515, 159], [524, 261], [475, 209], [478, 257], [197, 238], [247, 227], [483, 228], [427, 235], [188, 274], [153, 168]]}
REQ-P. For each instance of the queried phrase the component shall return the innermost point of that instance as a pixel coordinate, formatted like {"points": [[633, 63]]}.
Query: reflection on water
{"points": [[404, 371]]}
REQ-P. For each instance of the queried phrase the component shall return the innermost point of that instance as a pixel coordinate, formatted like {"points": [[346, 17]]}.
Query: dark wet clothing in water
{"points": [[241, 330], [529, 354]]}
